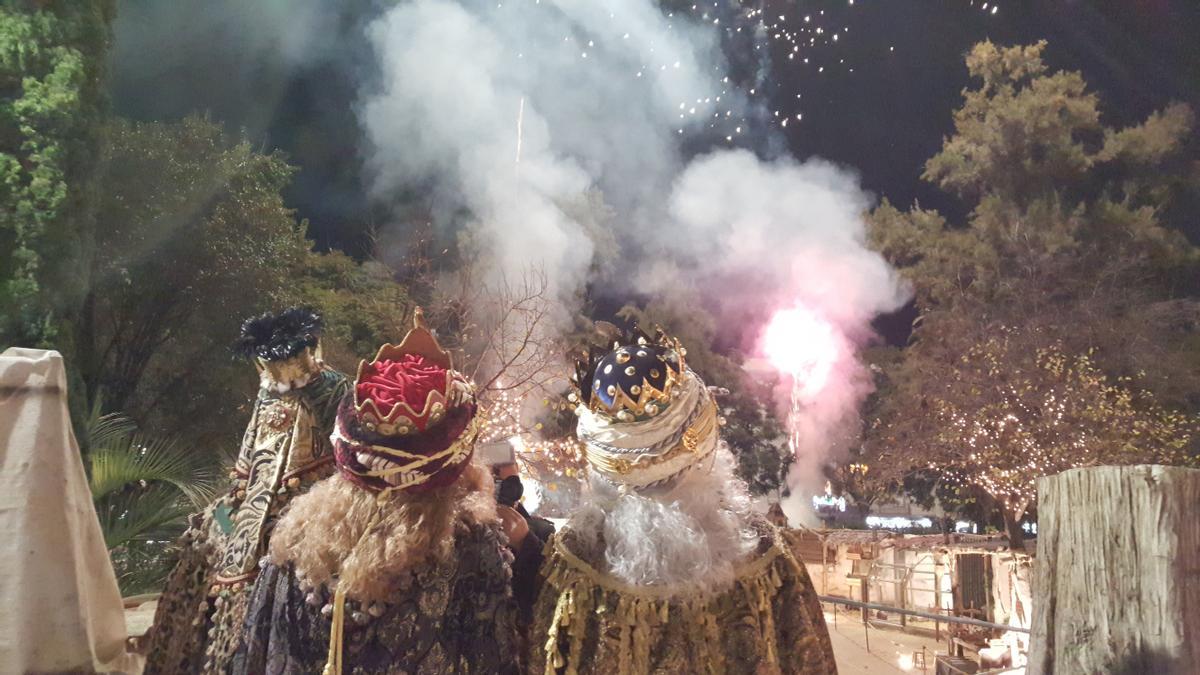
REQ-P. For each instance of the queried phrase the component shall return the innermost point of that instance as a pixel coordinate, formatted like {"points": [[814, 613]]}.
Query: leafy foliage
{"points": [[1066, 283], [52, 105], [195, 238], [1013, 410], [143, 488], [362, 306]]}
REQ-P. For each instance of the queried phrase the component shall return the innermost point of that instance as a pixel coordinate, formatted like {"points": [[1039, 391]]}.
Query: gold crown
{"points": [[402, 419], [419, 341]]}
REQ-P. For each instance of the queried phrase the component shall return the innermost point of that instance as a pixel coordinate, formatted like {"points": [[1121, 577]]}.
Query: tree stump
{"points": [[1117, 574]]}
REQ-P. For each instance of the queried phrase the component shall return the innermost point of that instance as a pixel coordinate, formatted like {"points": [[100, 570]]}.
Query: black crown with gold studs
{"points": [[633, 381]]}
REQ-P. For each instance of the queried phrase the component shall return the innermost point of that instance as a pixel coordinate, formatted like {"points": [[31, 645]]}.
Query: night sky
{"points": [[883, 120]]}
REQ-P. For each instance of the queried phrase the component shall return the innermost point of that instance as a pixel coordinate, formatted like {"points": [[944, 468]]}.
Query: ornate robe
{"points": [[767, 621], [454, 617], [284, 451]]}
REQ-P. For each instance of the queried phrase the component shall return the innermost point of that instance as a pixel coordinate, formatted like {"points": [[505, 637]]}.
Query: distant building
{"points": [[975, 576]]}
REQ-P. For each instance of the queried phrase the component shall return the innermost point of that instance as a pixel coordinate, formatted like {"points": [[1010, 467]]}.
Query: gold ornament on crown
{"points": [[642, 400]]}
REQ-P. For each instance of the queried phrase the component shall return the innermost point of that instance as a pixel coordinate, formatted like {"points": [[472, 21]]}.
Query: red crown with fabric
{"points": [[410, 424]]}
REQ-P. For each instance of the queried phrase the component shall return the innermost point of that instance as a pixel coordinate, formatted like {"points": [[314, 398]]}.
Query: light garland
{"points": [[1061, 414], [897, 522], [545, 460], [827, 501]]}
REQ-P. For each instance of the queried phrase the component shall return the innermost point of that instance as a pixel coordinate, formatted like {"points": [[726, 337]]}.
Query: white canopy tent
{"points": [[62, 607]]}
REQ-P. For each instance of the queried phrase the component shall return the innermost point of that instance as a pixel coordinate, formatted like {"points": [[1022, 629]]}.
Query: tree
{"points": [[194, 237], [1012, 411], [1026, 135], [1067, 250], [361, 304], [53, 57], [1066, 225]]}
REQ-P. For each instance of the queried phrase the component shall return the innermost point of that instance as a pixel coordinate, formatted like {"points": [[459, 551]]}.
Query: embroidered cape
{"points": [[285, 450], [768, 620], [456, 617]]}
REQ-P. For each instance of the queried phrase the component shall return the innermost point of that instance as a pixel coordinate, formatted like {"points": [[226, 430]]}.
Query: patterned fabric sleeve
{"points": [[325, 394], [251, 656], [803, 635], [176, 640], [483, 614], [282, 635]]}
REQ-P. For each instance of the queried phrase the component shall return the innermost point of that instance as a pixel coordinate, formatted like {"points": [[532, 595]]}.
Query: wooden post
{"points": [[1117, 573], [825, 569]]}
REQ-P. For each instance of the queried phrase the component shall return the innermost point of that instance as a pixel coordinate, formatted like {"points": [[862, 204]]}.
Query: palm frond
{"points": [[157, 512], [147, 514], [143, 488], [110, 428], [142, 567], [101, 429], [139, 460]]}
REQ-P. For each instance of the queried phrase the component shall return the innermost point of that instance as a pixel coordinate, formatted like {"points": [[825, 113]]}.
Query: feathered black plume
{"points": [[278, 337]]}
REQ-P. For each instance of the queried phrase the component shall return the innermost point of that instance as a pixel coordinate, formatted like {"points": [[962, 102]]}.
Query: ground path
{"points": [[887, 647]]}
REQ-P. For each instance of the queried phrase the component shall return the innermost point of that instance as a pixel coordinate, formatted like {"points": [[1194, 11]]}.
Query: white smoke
{"points": [[783, 234], [609, 93], [796, 228], [453, 78]]}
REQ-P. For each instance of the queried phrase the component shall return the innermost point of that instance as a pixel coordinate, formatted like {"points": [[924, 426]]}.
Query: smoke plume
{"points": [[514, 111], [510, 114], [779, 235]]}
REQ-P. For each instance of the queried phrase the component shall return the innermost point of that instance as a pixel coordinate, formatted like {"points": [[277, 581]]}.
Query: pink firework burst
{"points": [[803, 345]]}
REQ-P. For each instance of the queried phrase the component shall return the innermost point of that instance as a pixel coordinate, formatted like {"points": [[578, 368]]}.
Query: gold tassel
{"points": [[713, 632], [583, 599], [569, 623], [769, 626], [554, 659], [646, 613], [333, 663]]}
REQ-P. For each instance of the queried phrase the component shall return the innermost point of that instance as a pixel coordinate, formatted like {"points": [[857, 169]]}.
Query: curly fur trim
{"points": [[695, 534], [324, 533]]}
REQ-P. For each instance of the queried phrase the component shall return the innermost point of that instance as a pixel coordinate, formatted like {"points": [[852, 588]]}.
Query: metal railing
{"points": [[944, 618], [866, 622], [904, 587]]}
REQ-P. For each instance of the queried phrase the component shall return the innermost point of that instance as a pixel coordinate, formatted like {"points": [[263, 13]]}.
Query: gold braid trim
{"points": [[624, 464], [759, 591], [582, 591], [311, 466]]}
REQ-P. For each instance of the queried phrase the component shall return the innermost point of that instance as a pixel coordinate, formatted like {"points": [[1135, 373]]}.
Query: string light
{"points": [[897, 522], [545, 460], [1062, 414]]}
